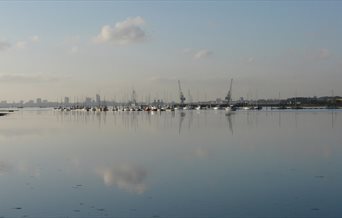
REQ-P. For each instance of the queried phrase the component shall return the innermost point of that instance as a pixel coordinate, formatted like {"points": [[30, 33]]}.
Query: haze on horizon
{"points": [[79, 48]]}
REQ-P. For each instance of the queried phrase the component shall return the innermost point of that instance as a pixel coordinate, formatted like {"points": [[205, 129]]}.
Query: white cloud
{"points": [[201, 54], [34, 39], [122, 33], [4, 45], [21, 44]]}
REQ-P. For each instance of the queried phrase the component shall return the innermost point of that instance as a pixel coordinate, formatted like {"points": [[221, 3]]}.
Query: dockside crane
{"points": [[181, 95], [229, 94]]}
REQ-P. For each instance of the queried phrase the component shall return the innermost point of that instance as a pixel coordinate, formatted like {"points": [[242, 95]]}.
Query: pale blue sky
{"points": [[53, 49]]}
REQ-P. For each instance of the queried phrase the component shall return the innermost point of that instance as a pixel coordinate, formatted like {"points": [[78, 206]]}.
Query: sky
{"points": [[54, 49]]}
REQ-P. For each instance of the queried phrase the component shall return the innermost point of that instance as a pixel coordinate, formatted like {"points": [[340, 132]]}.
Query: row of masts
{"points": [[182, 98], [134, 106], [134, 97]]}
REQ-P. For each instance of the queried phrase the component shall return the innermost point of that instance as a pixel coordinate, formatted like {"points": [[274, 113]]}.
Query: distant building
{"points": [[30, 103], [87, 101], [98, 99], [66, 100]]}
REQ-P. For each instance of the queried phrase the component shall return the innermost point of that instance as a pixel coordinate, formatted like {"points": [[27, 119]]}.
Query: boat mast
{"points": [[229, 94], [181, 96]]}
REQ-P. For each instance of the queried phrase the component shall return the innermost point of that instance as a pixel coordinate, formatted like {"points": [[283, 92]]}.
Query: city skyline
{"points": [[98, 101], [54, 49]]}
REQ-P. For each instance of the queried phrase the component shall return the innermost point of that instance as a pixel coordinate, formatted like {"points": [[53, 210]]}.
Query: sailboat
{"points": [[228, 98]]}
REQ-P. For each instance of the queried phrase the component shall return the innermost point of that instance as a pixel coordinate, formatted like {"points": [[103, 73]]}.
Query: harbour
{"points": [[170, 109], [116, 163]]}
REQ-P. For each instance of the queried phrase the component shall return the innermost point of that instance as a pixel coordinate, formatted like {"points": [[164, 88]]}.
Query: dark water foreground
{"points": [[191, 164]]}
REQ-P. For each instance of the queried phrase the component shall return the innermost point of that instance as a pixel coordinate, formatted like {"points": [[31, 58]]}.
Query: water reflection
{"points": [[229, 119], [332, 119], [153, 120], [127, 177], [191, 118], [181, 119], [18, 132], [88, 158], [29, 169], [4, 167], [201, 152], [167, 120]]}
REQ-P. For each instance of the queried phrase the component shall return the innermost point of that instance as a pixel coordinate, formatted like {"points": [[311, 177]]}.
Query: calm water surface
{"points": [[203, 164]]}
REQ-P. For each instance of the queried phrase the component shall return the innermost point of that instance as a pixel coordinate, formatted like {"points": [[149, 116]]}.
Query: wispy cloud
{"points": [[4, 45], [74, 49], [162, 80], [21, 44], [324, 54], [124, 32], [198, 54], [319, 54], [201, 54], [72, 44], [28, 78], [251, 60], [35, 39], [75, 39], [187, 50]]}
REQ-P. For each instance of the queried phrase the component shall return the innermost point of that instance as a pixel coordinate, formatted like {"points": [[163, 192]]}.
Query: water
{"points": [[203, 164]]}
